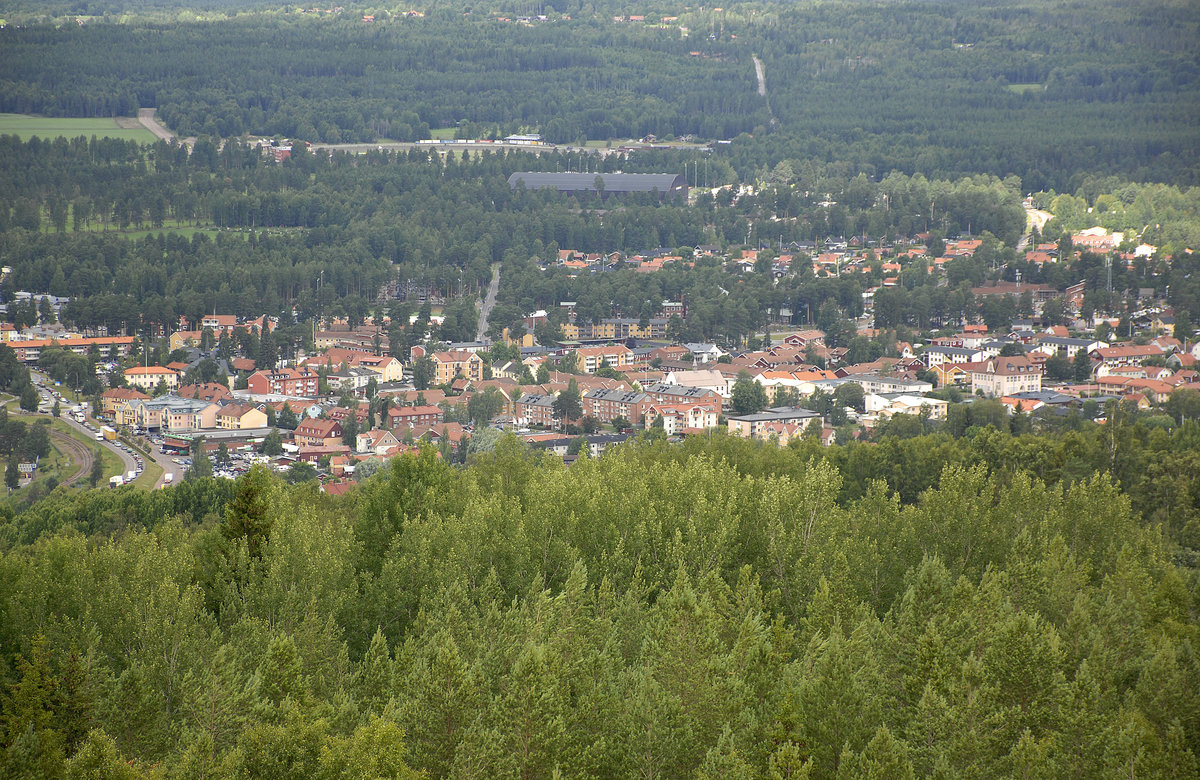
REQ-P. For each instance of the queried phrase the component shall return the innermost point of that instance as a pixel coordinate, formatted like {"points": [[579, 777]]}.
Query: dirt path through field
{"points": [[146, 117]]}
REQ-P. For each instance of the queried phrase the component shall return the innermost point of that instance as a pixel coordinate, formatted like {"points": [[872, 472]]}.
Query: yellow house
{"points": [[526, 340], [184, 338], [148, 377], [450, 364], [236, 417], [388, 368]]}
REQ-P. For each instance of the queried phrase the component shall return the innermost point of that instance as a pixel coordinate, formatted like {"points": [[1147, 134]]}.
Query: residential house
{"points": [[410, 416], [1127, 354], [387, 367], [377, 441], [708, 380], [596, 443], [1001, 376], [449, 364], [352, 379], [109, 347], [535, 409], [752, 425], [679, 418], [301, 381], [318, 433], [115, 397], [953, 374], [341, 414], [884, 405], [662, 392], [1051, 345], [803, 338], [803, 382], [607, 405], [168, 412], [148, 377], [240, 417], [591, 358], [704, 353], [875, 383], [781, 432], [212, 392], [935, 355]]}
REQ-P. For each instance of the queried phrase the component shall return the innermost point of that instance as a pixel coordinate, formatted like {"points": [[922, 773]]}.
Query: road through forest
{"points": [[490, 301]]}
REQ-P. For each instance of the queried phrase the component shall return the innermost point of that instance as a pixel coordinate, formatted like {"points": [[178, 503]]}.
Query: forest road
{"points": [[488, 303], [761, 75], [146, 117]]}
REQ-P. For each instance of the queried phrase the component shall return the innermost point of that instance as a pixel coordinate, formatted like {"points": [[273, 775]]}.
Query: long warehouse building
{"points": [[666, 185]]}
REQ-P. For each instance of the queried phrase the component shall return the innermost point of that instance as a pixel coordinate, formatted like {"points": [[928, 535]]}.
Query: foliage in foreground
{"points": [[655, 612]]}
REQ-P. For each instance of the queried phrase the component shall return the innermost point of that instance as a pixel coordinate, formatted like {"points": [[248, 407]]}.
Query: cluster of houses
{"points": [[1142, 372], [836, 256], [627, 373], [684, 389]]}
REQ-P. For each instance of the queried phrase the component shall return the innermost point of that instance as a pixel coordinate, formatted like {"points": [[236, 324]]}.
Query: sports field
{"points": [[27, 126]]}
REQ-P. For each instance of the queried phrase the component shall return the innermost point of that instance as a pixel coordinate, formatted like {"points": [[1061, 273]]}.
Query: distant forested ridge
{"points": [[1044, 92], [989, 606]]}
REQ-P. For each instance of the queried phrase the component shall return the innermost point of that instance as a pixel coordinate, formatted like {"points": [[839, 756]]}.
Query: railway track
{"points": [[77, 451]]}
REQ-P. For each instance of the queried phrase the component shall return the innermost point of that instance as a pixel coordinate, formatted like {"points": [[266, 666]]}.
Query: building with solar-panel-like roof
{"points": [[666, 185]]}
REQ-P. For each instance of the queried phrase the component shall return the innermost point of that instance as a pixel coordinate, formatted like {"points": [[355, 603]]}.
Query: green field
{"points": [[1021, 89], [27, 126]]}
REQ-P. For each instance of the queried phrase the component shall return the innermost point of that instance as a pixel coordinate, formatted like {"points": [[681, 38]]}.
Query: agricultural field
{"points": [[26, 127]]}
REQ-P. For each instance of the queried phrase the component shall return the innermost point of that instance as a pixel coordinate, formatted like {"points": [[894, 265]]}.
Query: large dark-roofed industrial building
{"points": [[667, 185]]}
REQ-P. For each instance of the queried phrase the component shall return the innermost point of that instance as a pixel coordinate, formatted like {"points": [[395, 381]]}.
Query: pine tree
{"points": [[248, 514], [97, 472], [98, 757], [375, 678], [29, 398], [1082, 366], [281, 675], [216, 703]]}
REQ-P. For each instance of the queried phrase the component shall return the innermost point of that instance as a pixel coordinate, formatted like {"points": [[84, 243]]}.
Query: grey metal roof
{"points": [[613, 182], [778, 413], [619, 396], [1065, 341]]}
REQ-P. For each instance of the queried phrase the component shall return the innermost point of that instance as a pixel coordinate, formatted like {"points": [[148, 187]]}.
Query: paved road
{"points": [[47, 403], [168, 466], [488, 303]]}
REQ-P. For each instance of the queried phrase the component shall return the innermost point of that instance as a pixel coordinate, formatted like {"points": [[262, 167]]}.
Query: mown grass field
{"points": [[27, 126], [1021, 89]]}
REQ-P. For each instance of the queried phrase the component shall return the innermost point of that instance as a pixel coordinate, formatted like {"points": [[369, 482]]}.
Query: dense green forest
{"points": [[1046, 92], [991, 606]]}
